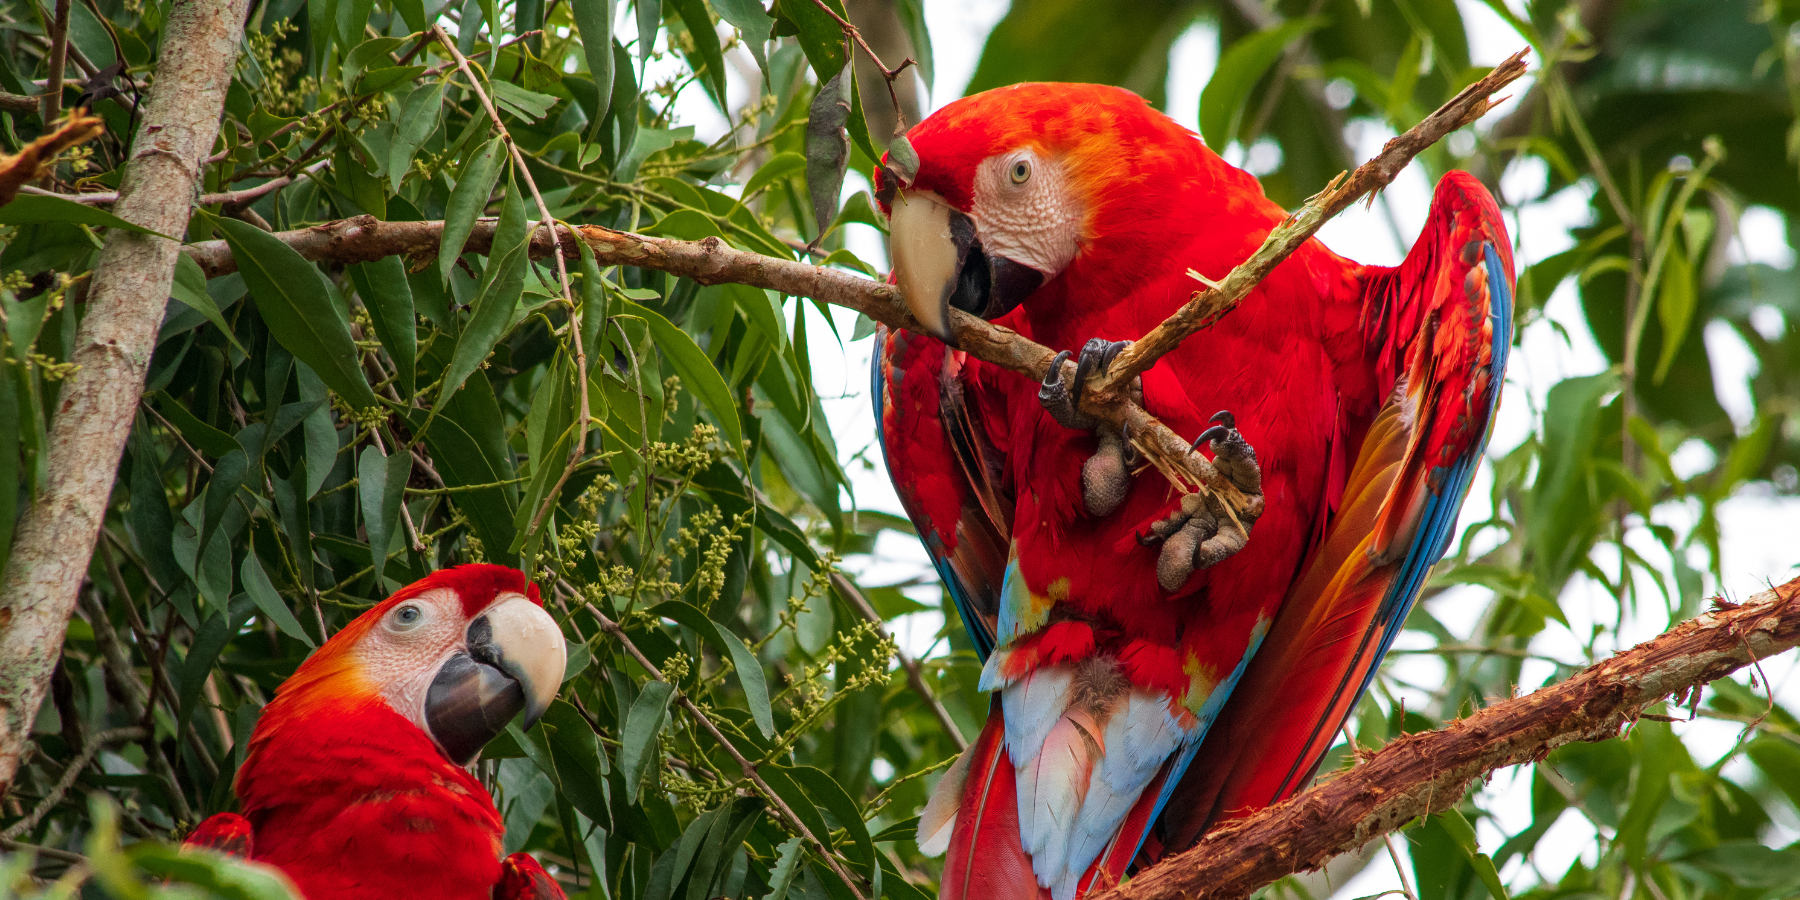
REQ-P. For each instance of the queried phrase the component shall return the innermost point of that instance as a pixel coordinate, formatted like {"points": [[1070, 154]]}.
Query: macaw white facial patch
{"points": [[1026, 210]]}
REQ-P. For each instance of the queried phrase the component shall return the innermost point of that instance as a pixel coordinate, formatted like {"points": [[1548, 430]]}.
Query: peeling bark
{"points": [[1420, 774], [112, 348]]}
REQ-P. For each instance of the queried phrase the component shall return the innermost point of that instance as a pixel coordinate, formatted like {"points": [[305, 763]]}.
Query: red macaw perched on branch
{"points": [[1152, 674], [355, 785]]}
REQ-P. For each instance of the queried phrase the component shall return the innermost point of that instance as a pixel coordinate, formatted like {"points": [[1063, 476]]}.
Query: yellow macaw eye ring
{"points": [[1021, 171]]}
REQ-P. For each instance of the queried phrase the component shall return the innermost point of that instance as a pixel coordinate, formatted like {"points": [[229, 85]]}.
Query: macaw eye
{"points": [[407, 617], [1021, 171]]}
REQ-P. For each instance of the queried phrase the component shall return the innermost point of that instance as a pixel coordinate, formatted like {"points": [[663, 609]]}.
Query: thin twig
{"points": [[87, 754], [851, 32], [239, 199], [549, 225], [58, 61]]}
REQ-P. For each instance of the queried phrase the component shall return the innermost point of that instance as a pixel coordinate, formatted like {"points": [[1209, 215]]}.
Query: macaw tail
{"points": [[1085, 811]]}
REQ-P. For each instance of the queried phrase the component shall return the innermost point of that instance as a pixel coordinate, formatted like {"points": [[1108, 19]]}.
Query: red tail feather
{"points": [[986, 861]]}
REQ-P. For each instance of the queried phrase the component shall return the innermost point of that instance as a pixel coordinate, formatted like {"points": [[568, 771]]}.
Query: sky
{"points": [[1757, 527]]}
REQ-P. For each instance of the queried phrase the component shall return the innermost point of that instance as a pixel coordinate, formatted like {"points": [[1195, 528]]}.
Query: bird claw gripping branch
{"points": [[1200, 533], [1106, 476]]}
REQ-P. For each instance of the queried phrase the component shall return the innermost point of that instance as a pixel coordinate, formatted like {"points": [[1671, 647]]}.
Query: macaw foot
{"points": [[1106, 476], [1063, 400], [1200, 534]]}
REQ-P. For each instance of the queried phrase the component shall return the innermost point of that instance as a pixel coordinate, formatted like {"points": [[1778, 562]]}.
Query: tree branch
{"points": [[1219, 298], [55, 539], [1420, 774], [711, 261]]}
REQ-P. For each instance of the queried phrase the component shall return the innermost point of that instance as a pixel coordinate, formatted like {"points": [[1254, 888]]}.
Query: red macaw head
{"points": [[1005, 190], [457, 653]]}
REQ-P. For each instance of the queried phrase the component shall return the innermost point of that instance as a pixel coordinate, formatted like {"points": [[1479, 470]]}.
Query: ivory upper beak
{"points": [[926, 258]]}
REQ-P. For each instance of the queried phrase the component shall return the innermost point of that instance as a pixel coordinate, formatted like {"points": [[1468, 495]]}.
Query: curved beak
{"points": [[938, 263], [513, 662]]}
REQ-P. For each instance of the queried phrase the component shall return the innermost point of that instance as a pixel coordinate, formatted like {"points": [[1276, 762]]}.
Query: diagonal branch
{"points": [[1219, 298], [713, 262], [1420, 774]]}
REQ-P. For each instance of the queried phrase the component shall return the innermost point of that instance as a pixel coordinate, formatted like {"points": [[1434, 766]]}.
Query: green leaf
{"points": [[387, 294], [374, 81], [380, 483], [419, 117], [580, 762], [827, 793], [786, 866], [503, 281], [1676, 299], [779, 166], [749, 670], [207, 439], [209, 641], [696, 371], [268, 601], [593, 21], [828, 147], [755, 26], [706, 45], [189, 287], [1239, 69], [38, 209], [642, 725], [528, 105], [474, 184], [293, 299]]}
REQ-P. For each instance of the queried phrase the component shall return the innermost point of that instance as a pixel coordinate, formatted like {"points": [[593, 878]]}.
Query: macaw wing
{"points": [[228, 833], [1439, 328], [522, 878], [946, 471]]}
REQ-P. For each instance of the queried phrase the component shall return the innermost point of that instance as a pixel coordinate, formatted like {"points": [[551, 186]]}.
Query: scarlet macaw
{"points": [[1153, 674], [356, 785]]}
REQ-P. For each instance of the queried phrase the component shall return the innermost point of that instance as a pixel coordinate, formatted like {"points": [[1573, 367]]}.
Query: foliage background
{"points": [[260, 502]]}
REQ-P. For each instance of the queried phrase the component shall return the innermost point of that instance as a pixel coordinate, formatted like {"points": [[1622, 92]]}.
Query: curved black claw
{"points": [[1053, 378], [1225, 427], [1062, 399]]}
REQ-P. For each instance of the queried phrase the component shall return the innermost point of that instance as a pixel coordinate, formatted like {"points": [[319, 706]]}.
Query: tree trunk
{"points": [[112, 348]]}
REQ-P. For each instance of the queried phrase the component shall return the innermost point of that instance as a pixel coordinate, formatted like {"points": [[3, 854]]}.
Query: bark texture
{"points": [[112, 348], [1420, 774]]}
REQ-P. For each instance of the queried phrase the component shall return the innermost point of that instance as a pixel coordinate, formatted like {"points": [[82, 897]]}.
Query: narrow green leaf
{"points": [[754, 25], [470, 196], [779, 166], [381, 502], [828, 793], [209, 640], [38, 209], [502, 283], [1676, 300], [749, 670], [828, 147], [295, 303], [696, 370], [706, 46], [268, 601], [593, 21], [387, 294], [419, 117], [189, 287], [642, 725], [786, 866], [1239, 69]]}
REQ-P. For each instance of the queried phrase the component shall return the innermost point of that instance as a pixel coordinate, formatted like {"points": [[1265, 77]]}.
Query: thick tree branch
{"points": [[112, 350], [1420, 774]]}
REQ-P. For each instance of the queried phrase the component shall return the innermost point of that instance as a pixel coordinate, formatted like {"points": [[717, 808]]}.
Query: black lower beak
{"points": [[472, 698], [987, 287]]}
